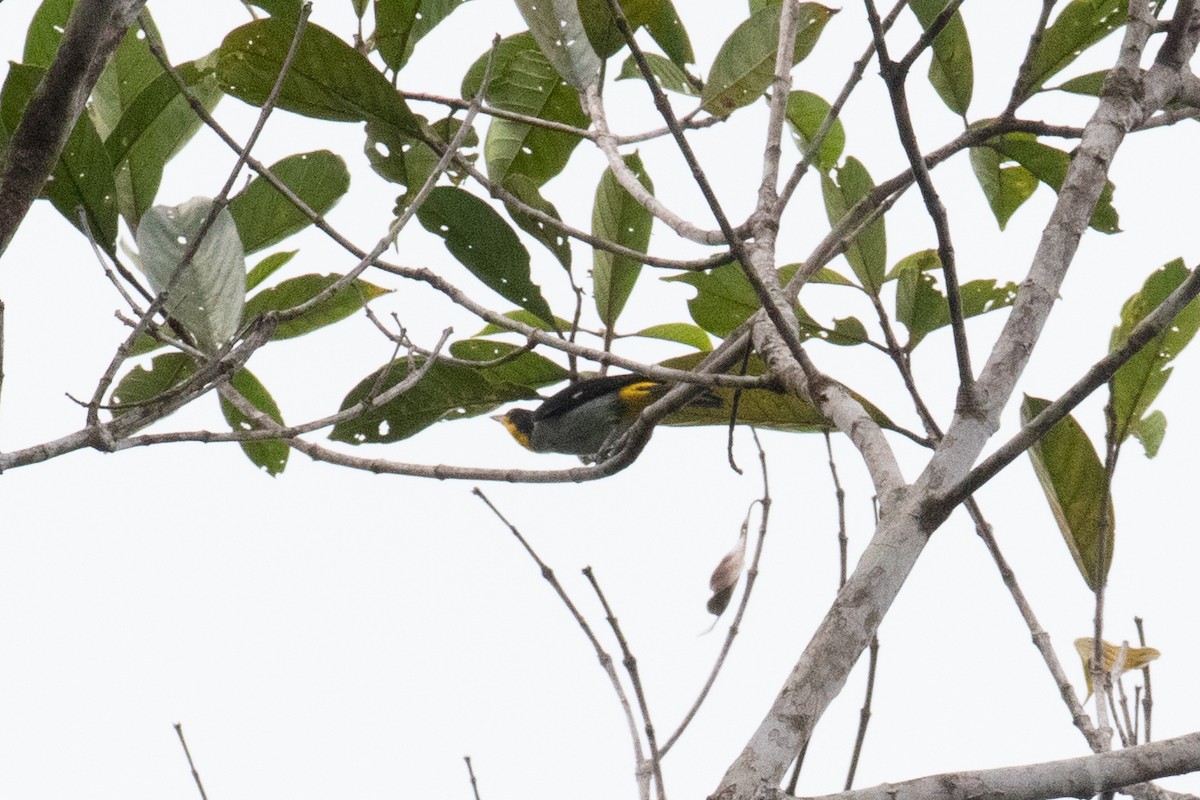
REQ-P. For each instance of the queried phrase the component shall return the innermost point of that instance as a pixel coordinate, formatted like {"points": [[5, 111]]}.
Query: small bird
{"points": [[588, 416]]}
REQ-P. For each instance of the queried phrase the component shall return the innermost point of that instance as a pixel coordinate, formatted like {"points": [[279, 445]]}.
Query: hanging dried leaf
{"points": [[725, 577]]}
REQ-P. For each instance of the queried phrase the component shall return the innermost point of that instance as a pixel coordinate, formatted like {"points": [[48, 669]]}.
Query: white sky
{"points": [[337, 634]]}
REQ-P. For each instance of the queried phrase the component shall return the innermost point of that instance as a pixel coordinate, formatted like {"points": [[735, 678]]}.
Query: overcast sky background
{"points": [[330, 633]]}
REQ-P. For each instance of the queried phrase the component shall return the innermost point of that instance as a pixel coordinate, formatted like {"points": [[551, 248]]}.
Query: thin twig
{"points": [[1147, 698], [606, 662], [864, 714], [471, 773], [630, 662], [191, 764]]}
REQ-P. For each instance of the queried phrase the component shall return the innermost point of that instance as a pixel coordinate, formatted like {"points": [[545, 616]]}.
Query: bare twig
{"points": [[191, 764], [1147, 698], [471, 773]]}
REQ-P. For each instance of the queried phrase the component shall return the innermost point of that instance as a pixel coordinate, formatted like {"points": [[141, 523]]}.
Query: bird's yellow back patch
{"points": [[641, 394]]}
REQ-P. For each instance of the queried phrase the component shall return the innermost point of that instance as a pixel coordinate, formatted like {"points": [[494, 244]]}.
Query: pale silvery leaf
{"points": [[208, 296], [558, 30]]}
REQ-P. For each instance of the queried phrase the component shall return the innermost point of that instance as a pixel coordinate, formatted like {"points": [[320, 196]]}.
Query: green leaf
{"points": [[558, 29], [680, 332], [1089, 84], [1150, 431], [343, 303], [526, 369], [267, 267], [1049, 165], [1079, 25], [485, 244], [523, 316], [1072, 477], [618, 218], [1136, 385], [667, 74], [447, 391], [1005, 188], [83, 177], [360, 7], [601, 27], [922, 308], [523, 81], [526, 190], [666, 28], [400, 24], [867, 254], [141, 385], [128, 72], [267, 454], [265, 217], [952, 71], [153, 129], [328, 79], [806, 113], [208, 295], [286, 10], [401, 159], [45, 32], [745, 64]]}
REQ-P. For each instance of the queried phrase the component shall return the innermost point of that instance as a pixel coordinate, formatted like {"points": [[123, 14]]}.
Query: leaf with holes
{"points": [[525, 190], [265, 217], [745, 64], [206, 296], [445, 392], [618, 218], [1006, 188], [400, 24], [1072, 478], [270, 455], [327, 79], [524, 82], [557, 27], [141, 386], [667, 74], [517, 366], [485, 244]]}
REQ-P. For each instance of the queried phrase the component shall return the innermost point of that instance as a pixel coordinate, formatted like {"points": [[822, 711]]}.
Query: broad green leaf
{"points": [[1005, 188], [485, 244], [1089, 84], [404, 160], [445, 392], [666, 28], [265, 217], [558, 29], [618, 218], [153, 129], [1136, 385], [290, 293], [1135, 657], [806, 113], [680, 332], [141, 386], [267, 454], [1049, 165], [1080, 24], [601, 27], [1072, 477], [526, 369], [267, 267], [525, 317], [526, 190], [667, 74], [208, 295], [128, 72], [328, 79], [523, 81], [400, 24], [952, 71], [45, 32], [745, 64], [867, 254], [83, 177], [922, 308]]}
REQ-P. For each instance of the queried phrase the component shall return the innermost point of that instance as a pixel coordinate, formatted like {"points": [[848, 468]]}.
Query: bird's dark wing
{"points": [[579, 393]]}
